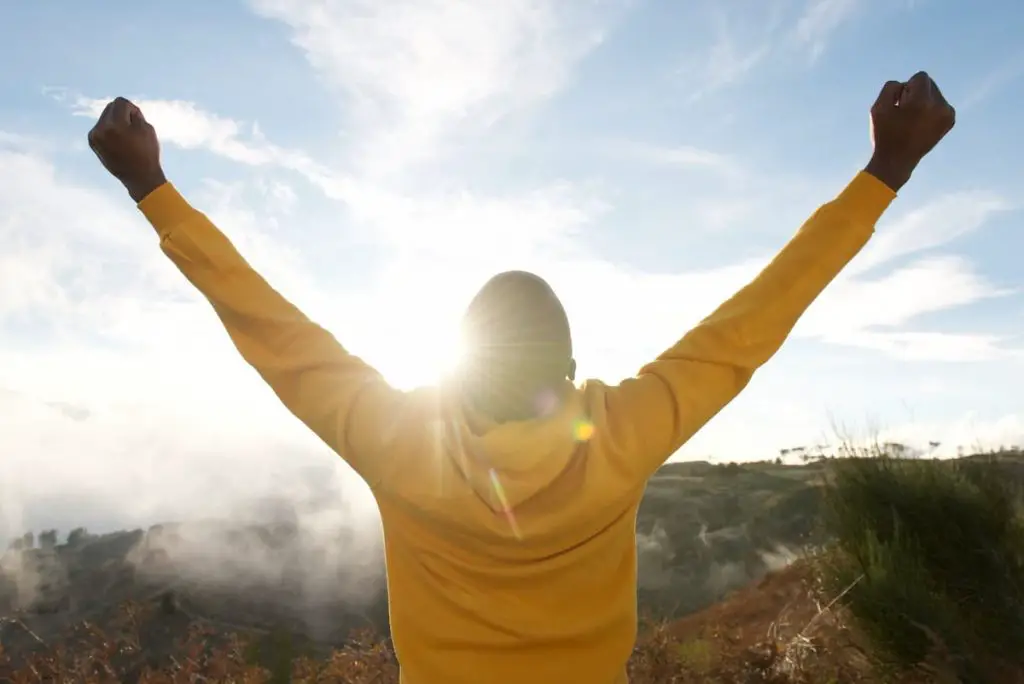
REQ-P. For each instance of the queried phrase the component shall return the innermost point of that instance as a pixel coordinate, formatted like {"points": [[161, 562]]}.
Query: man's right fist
{"points": [[128, 148], [907, 121]]}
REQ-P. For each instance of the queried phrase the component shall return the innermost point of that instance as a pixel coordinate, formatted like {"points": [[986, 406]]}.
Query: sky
{"points": [[377, 161]]}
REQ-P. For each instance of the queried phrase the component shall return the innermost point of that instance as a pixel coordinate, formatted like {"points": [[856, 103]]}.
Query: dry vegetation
{"points": [[777, 631], [923, 582]]}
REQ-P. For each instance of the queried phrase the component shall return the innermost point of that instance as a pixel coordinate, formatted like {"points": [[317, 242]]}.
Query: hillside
{"points": [[703, 531]]}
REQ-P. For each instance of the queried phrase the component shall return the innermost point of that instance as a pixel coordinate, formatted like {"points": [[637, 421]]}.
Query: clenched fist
{"points": [[907, 121], [128, 148]]}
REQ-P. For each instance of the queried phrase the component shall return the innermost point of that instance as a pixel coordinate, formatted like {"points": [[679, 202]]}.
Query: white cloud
{"points": [[683, 157], [994, 82], [867, 304], [128, 403], [126, 398], [760, 33], [929, 346], [468, 227], [967, 433], [186, 125], [787, 422], [738, 47], [727, 64], [924, 286], [417, 71], [55, 250], [467, 236], [115, 375], [820, 19], [931, 225], [492, 230]]}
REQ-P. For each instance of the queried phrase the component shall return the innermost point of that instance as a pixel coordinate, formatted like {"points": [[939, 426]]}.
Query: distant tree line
{"points": [[47, 539]]}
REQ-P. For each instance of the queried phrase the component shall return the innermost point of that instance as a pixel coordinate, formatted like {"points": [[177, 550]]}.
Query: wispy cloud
{"points": [[190, 127], [736, 49], [873, 312], [728, 63], [419, 71], [967, 433], [1006, 72], [929, 226], [540, 229], [117, 373], [55, 251], [931, 346], [495, 229], [820, 19], [873, 298], [104, 346], [763, 32], [187, 126], [683, 157]]}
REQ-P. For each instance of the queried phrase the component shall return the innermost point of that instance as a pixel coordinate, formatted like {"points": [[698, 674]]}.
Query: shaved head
{"points": [[518, 347]]}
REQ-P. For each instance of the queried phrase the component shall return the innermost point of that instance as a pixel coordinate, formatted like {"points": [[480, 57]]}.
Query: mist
{"points": [[237, 501]]}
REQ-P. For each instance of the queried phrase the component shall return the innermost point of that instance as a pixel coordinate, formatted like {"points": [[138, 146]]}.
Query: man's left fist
{"points": [[127, 146]]}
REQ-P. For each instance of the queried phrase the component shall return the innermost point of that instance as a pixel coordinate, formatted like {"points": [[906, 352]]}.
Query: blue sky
{"points": [[377, 161]]}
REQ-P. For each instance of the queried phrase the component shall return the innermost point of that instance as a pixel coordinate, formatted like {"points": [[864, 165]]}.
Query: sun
{"points": [[424, 358], [408, 326]]}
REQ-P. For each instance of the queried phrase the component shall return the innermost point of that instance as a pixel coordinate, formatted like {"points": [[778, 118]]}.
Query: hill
{"points": [[704, 531]]}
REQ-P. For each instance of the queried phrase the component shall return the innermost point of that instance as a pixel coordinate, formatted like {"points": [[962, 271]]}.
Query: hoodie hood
{"points": [[508, 463]]}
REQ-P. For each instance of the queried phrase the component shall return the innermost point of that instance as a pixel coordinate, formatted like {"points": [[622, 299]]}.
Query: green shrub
{"points": [[931, 556]]}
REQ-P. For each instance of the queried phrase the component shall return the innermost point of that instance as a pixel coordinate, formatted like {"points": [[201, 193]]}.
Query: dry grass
{"points": [[776, 632]]}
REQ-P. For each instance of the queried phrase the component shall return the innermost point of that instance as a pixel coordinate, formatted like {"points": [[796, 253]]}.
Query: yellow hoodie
{"points": [[511, 549]]}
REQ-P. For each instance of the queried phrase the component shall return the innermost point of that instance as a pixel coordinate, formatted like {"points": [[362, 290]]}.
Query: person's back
{"points": [[509, 496], [519, 573]]}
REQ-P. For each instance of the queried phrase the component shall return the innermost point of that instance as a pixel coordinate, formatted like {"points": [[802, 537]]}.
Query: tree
{"points": [[77, 536], [47, 539]]}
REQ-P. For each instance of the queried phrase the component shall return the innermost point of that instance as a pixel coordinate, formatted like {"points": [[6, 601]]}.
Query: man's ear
{"points": [[571, 371]]}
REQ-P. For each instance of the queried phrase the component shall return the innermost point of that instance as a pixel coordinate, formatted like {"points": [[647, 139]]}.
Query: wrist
{"points": [[139, 188], [892, 172]]}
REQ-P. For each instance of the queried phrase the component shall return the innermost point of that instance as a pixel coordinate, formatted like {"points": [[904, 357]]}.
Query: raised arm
{"points": [[647, 418], [342, 399]]}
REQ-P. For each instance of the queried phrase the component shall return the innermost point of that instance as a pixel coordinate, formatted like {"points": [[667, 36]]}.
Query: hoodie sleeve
{"points": [[341, 398], [648, 417]]}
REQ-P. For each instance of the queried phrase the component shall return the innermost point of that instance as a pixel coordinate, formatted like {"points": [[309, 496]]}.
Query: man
{"points": [[509, 496]]}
